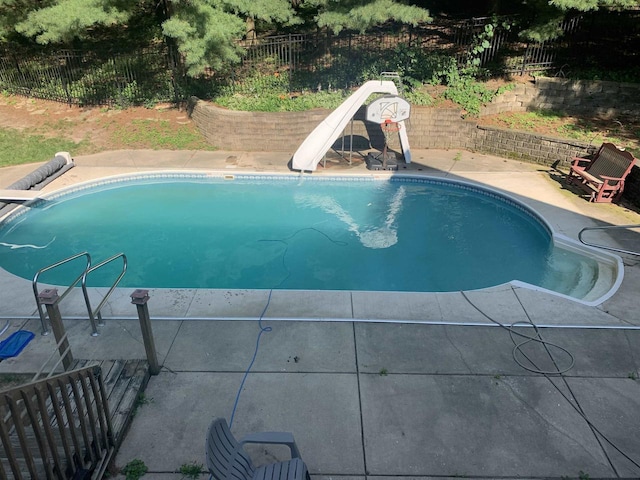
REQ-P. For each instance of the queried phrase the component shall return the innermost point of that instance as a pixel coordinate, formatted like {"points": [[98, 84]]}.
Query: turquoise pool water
{"points": [[253, 232]]}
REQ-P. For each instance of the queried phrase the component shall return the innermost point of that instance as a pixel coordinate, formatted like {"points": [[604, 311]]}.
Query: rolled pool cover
{"points": [[41, 176], [44, 174]]}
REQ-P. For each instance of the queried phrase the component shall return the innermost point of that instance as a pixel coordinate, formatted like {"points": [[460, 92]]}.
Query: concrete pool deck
{"points": [[364, 399]]}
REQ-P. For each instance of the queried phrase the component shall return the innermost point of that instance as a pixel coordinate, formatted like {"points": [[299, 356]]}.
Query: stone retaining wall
{"points": [[427, 128], [601, 98]]}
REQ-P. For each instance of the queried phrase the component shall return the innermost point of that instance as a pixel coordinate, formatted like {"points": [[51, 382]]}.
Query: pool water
{"points": [[290, 233]]}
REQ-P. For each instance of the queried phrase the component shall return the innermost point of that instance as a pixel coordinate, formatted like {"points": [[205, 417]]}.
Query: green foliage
{"points": [[420, 98], [462, 85], [274, 102], [363, 14], [586, 5], [205, 35], [468, 93], [269, 92], [414, 65], [542, 18], [135, 469], [191, 470], [482, 42], [63, 20], [204, 32], [505, 88]]}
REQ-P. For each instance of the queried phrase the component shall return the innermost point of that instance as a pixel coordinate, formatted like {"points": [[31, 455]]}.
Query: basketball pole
{"points": [[388, 127]]}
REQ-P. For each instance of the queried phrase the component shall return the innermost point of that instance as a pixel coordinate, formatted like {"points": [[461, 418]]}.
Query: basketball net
{"points": [[388, 128]]}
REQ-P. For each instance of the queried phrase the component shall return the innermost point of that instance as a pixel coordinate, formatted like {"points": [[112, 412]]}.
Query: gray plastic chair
{"points": [[227, 460]]}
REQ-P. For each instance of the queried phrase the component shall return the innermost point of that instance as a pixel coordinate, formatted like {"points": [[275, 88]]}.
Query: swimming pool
{"points": [[288, 232]]}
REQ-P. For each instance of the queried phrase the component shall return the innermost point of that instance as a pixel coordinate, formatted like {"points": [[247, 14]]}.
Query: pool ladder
{"points": [[82, 278]]}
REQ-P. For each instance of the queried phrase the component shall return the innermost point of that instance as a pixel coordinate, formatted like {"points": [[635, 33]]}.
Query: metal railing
{"points": [[34, 283], [96, 314], [82, 277], [58, 427], [609, 227]]}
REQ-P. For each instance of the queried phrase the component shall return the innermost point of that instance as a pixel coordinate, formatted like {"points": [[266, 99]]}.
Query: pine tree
{"points": [[363, 14], [204, 31], [546, 15]]}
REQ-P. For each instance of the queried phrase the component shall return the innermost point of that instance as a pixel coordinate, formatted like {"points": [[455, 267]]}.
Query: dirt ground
{"points": [[100, 127]]}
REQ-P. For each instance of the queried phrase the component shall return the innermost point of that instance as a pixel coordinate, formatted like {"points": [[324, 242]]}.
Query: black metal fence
{"points": [[326, 61], [90, 78]]}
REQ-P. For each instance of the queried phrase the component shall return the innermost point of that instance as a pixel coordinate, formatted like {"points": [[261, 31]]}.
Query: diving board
{"points": [[9, 195]]}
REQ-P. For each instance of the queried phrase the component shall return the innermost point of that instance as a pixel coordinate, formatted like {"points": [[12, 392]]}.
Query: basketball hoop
{"points": [[389, 126]]}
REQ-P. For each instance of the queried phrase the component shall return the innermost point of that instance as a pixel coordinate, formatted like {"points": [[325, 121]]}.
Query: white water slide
{"points": [[318, 143]]}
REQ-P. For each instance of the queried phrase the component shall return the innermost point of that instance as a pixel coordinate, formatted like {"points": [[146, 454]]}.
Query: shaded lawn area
{"points": [[17, 147]]}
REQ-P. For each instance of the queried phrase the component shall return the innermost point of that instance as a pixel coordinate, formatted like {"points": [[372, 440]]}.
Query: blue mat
{"points": [[14, 343]]}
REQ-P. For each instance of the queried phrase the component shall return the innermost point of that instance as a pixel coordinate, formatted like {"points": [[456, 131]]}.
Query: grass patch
{"points": [[191, 470], [281, 102], [160, 135], [17, 147], [135, 469]]}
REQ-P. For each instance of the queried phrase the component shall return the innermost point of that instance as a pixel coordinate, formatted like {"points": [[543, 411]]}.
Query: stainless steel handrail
{"points": [[92, 314], [609, 227], [34, 283]]}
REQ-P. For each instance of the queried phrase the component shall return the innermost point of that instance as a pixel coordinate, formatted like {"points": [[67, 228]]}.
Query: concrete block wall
{"points": [[285, 131], [427, 128], [440, 128], [605, 99], [275, 132], [516, 100], [529, 147], [601, 98]]}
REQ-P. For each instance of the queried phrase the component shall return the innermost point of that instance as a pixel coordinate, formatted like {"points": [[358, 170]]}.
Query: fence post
{"points": [[49, 297], [140, 298]]}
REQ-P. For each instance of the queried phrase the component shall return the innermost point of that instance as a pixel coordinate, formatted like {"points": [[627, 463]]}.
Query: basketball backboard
{"points": [[388, 107]]}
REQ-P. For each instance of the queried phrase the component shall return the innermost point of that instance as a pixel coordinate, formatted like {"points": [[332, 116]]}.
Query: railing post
{"points": [[140, 298], [49, 298]]}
